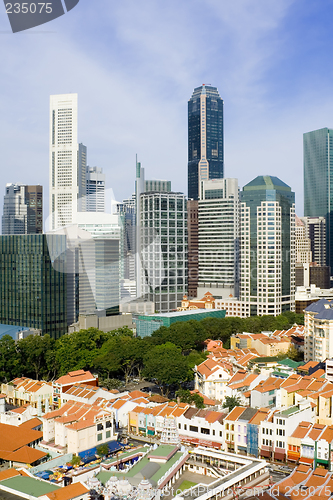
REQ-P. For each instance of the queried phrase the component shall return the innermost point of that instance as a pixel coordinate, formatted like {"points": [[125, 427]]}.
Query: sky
{"points": [[134, 66]]}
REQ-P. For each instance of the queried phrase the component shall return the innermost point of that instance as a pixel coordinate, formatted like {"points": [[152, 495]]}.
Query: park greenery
{"points": [[167, 357]]}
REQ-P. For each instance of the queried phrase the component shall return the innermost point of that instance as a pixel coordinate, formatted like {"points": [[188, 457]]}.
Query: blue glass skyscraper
{"points": [[318, 181], [205, 138]]}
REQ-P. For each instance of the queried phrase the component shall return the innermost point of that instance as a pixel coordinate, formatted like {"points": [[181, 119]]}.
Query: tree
{"points": [[10, 366], [76, 460], [231, 402], [111, 383], [36, 355], [166, 364], [102, 450], [198, 400], [294, 354]]}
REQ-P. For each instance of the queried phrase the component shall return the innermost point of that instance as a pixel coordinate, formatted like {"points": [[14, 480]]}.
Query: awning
{"points": [[306, 461], [265, 453], [279, 454], [293, 455]]}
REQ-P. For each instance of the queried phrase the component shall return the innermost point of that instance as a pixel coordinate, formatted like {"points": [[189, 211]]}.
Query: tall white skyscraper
{"points": [[95, 201], [218, 230], [68, 162]]}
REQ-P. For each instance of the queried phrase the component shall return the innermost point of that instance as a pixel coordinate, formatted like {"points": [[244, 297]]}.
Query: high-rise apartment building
{"points": [[95, 200], [205, 138], [218, 235], [318, 187], [68, 162], [22, 209], [267, 264], [163, 248], [33, 289]]}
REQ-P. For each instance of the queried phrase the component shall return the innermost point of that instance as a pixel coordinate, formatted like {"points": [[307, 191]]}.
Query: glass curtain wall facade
{"points": [[163, 248], [267, 246], [318, 181], [205, 138], [33, 282]]}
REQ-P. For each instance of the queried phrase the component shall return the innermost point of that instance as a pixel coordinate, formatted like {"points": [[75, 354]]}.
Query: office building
{"points": [[163, 248], [33, 290], [93, 256], [22, 209], [218, 234], [68, 162], [193, 247], [302, 243], [267, 263], [143, 186], [318, 171], [316, 232], [127, 213], [95, 201], [205, 138]]}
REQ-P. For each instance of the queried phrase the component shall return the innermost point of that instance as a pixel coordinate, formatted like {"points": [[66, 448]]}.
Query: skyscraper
{"points": [[163, 248], [267, 246], [22, 209], [68, 162], [95, 201], [218, 224], [318, 181], [205, 138], [33, 289]]}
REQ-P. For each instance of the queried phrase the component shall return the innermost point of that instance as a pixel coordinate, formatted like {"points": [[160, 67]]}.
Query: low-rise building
{"points": [[212, 378], [22, 391], [76, 427], [64, 383]]}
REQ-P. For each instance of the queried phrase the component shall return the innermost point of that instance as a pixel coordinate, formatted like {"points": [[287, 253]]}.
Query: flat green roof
{"points": [[163, 450], [29, 485], [137, 468], [289, 411], [122, 456]]}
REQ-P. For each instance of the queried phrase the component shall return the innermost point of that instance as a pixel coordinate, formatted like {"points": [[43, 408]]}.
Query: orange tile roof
{"points": [[118, 404], [235, 413], [13, 437], [301, 431], [6, 474], [259, 416], [76, 377], [26, 455], [137, 394], [30, 424], [309, 364], [213, 416], [73, 490]]}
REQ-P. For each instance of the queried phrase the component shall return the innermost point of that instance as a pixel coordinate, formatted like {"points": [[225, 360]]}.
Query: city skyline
{"points": [[266, 61]]}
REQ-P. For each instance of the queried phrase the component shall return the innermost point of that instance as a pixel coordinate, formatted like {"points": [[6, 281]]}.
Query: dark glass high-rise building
{"points": [[205, 138], [33, 285], [318, 181]]}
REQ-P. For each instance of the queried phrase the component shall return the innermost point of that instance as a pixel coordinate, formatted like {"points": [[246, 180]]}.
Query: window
{"points": [[193, 428], [100, 427], [108, 425], [204, 430], [99, 437], [107, 434]]}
